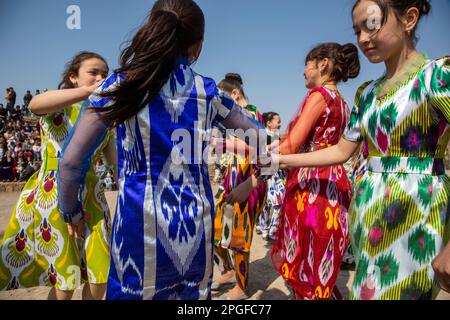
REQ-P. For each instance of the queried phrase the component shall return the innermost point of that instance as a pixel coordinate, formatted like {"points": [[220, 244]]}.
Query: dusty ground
{"points": [[264, 283]]}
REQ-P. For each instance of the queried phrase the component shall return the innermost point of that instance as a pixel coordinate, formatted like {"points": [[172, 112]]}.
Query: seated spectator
{"points": [[26, 145], [17, 124], [6, 167], [17, 114], [30, 169], [2, 149], [37, 150], [10, 125], [28, 154], [11, 144], [108, 181], [20, 169], [22, 135], [6, 134], [100, 169], [18, 147], [36, 134], [27, 128]]}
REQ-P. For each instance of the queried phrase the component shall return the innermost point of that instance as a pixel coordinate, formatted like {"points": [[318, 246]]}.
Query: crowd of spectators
{"points": [[20, 142]]}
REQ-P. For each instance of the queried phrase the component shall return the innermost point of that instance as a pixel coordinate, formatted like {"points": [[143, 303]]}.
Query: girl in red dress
{"points": [[313, 234]]}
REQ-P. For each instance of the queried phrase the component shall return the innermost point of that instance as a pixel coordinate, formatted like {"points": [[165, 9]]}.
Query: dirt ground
{"points": [[264, 282]]}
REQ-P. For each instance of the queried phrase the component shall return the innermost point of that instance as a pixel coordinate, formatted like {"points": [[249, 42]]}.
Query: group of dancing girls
{"points": [[165, 230]]}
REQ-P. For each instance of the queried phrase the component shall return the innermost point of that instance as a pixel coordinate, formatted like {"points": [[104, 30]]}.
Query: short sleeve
{"points": [[353, 130], [222, 105], [45, 114], [439, 91], [112, 82]]}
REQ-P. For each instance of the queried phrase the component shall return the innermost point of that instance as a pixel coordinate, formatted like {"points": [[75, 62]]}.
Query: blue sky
{"points": [[264, 40]]}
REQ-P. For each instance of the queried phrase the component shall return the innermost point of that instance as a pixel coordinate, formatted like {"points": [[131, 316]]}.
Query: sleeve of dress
{"points": [[86, 136], [231, 116], [41, 115], [313, 109], [439, 91], [353, 130]]}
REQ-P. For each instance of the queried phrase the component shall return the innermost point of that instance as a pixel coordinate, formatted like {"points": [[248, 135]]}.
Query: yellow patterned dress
{"points": [[36, 249]]}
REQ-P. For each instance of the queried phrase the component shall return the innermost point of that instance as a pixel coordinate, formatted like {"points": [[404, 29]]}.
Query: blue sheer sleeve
{"points": [[80, 146], [232, 117], [84, 139]]}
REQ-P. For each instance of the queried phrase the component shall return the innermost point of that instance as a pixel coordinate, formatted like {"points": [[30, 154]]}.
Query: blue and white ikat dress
{"points": [[162, 242]]}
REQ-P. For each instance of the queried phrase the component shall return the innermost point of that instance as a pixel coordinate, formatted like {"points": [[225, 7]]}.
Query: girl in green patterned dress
{"points": [[400, 213], [38, 249]]}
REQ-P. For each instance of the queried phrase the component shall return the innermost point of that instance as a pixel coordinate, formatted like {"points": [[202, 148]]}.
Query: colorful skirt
{"points": [[312, 233], [233, 229], [400, 221]]}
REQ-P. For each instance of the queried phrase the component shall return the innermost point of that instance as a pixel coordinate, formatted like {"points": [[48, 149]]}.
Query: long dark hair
{"points": [[345, 59], [400, 7], [73, 66], [173, 26]]}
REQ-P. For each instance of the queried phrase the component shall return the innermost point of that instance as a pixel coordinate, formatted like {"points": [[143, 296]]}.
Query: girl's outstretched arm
{"points": [[336, 154], [313, 109], [56, 100], [252, 136], [257, 140]]}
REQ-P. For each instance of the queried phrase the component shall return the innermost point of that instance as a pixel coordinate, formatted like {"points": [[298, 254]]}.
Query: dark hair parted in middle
{"points": [[345, 59], [172, 28]]}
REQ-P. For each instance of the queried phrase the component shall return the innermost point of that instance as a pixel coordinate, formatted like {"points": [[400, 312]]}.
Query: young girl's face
{"points": [[377, 42], [312, 74], [90, 72], [235, 94], [274, 124]]}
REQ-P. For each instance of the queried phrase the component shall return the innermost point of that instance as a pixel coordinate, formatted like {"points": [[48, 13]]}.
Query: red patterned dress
{"points": [[313, 234]]}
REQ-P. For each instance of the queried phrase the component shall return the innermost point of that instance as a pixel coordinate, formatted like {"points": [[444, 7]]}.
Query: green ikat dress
{"points": [[400, 213]]}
